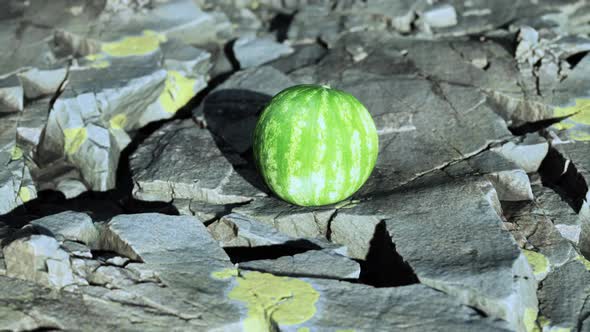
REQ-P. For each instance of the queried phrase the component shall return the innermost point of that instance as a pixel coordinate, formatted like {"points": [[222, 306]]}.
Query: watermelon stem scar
{"points": [[315, 145]]}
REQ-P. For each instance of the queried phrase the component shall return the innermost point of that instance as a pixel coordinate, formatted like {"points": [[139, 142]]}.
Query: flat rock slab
{"points": [[251, 51], [27, 306], [312, 263], [563, 297], [70, 225], [291, 220], [181, 160], [452, 236], [320, 304], [179, 253], [161, 239]]}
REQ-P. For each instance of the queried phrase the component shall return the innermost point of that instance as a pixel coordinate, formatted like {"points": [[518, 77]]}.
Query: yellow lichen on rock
{"points": [[577, 115], [584, 261], [118, 121], [530, 320], [225, 274], [73, 139], [16, 153], [177, 91], [147, 43], [24, 194], [538, 262], [282, 300]]}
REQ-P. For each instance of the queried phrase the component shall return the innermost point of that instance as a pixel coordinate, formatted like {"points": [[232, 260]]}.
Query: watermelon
{"points": [[315, 145]]}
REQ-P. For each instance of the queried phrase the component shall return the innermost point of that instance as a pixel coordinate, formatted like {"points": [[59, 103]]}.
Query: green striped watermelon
{"points": [[315, 145]]}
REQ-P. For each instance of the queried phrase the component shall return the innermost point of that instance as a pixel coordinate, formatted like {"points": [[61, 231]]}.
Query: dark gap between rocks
{"points": [[573, 60], [384, 267], [228, 50], [246, 254], [532, 127], [300, 275], [570, 185], [104, 255], [280, 24]]}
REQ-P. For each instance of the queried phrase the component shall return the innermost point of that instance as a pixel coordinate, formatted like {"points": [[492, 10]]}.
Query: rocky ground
{"points": [[129, 200]]}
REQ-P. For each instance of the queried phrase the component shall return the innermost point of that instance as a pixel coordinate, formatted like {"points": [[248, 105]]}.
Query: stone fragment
{"points": [[443, 16], [251, 51], [312, 263], [70, 225], [76, 249], [528, 157], [11, 95], [84, 267], [235, 230], [16, 183], [167, 166], [37, 83], [117, 260], [111, 277], [288, 219], [38, 258], [171, 239], [547, 225]]}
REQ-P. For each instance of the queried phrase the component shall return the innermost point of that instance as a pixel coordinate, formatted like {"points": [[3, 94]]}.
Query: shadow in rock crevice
{"points": [[383, 266], [290, 248], [563, 177], [231, 116]]}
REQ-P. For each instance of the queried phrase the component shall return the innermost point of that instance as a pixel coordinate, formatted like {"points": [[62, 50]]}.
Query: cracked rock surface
{"points": [[129, 197]]}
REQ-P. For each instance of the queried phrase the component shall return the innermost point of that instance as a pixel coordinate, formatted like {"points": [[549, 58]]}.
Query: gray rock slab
{"points": [[236, 230], [443, 16], [302, 56], [26, 305], [41, 82], [70, 225], [577, 165], [38, 258], [288, 219], [170, 239], [76, 249], [397, 308], [111, 277], [11, 95], [312, 263], [469, 253], [251, 51], [181, 160], [16, 183], [563, 296], [179, 253], [335, 305]]}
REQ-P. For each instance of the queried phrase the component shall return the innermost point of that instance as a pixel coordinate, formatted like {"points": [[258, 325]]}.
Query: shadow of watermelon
{"points": [[231, 116]]}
